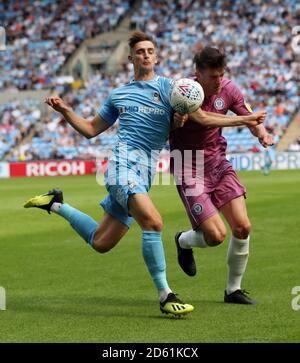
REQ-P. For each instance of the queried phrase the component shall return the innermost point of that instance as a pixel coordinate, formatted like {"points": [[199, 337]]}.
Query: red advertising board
{"points": [[53, 168], [65, 167]]}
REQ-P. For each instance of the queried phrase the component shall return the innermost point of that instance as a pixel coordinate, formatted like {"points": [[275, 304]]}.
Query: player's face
{"points": [[143, 56], [210, 80]]}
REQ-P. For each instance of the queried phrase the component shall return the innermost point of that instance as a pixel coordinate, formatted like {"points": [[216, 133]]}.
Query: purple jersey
{"points": [[219, 183], [193, 136]]}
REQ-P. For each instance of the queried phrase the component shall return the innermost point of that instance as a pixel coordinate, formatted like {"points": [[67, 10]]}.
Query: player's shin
{"points": [[237, 258], [83, 224], [154, 258]]}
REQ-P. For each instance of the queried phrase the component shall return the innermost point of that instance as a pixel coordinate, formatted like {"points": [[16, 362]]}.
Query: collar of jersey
{"points": [[150, 80]]}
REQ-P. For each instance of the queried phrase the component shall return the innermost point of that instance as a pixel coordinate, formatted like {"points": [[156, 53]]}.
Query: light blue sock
{"points": [[154, 257], [83, 224]]}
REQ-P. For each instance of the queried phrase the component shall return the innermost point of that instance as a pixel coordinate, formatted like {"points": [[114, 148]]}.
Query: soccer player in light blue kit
{"points": [[144, 113], [269, 159]]}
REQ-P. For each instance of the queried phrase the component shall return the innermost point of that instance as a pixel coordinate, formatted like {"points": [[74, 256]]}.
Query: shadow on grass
{"points": [[79, 305]]}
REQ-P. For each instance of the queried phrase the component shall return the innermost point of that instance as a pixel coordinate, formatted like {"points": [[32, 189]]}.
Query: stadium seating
{"points": [[41, 35], [252, 34], [16, 121], [256, 40]]}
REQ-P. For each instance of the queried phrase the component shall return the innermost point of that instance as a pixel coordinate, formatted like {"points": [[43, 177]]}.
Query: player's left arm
{"points": [[211, 119]]}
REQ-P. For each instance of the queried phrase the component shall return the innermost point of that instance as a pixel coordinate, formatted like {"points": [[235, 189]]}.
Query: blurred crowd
{"points": [[295, 146], [41, 35], [17, 119], [256, 36]]}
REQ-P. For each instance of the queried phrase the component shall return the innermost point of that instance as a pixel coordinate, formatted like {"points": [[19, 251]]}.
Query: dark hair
{"points": [[139, 36], [210, 57]]}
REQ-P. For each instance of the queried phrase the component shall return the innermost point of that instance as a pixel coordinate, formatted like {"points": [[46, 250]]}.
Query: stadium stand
{"points": [[252, 34], [16, 121], [41, 35], [38, 45]]}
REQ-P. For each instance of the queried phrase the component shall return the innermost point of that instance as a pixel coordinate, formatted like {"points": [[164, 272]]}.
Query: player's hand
{"points": [[57, 104], [266, 140], [179, 120], [260, 116], [256, 118]]}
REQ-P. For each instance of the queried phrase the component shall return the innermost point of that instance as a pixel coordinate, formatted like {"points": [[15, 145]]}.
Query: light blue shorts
{"points": [[120, 187]]}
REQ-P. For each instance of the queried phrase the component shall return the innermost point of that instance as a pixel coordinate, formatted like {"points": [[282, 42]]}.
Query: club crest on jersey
{"points": [[219, 104], [197, 208], [156, 97]]}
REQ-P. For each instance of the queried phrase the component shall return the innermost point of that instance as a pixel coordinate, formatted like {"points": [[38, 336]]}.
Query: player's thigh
{"points": [[235, 212], [199, 208], [204, 216], [214, 230], [109, 233], [144, 212]]}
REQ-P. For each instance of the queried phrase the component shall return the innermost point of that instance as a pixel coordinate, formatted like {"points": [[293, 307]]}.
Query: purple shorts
{"points": [[220, 187]]}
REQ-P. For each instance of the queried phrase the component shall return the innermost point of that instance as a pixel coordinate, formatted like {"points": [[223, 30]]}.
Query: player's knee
{"points": [[156, 225], [101, 245], [242, 230], [216, 237], [101, 248], [153, 224]]}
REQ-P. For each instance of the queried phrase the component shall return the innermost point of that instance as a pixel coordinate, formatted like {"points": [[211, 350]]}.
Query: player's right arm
{"points": [[211, 119], [85, 127]]}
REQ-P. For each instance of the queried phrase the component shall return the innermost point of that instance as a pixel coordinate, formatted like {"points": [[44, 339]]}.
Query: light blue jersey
{"points": [[144, 113]]}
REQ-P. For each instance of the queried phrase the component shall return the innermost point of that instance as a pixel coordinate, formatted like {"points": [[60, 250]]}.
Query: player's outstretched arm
{"points": [[262, 134], [86, 128], [210, 119]]}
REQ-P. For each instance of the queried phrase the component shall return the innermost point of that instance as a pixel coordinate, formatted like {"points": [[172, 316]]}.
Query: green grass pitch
{"points": [[60, 290]]}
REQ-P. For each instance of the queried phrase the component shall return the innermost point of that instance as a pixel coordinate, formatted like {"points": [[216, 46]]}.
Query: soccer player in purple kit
{"points": [[222, 189]]}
